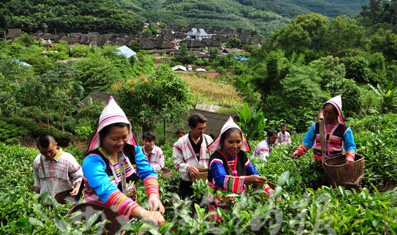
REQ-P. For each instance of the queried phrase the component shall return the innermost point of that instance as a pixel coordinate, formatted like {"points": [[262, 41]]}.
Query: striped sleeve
{"points": [[122, 204], [302, 149], [349, 145], [234, 184], [143, 166], [37, 185], [268, 190], [161, 158], [308, 141], [146, 172], [177, 157], [151, 186], [75, 170]]}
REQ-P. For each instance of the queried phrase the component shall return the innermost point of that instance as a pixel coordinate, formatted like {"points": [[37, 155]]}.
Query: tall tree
{"points": [[162, 97]]}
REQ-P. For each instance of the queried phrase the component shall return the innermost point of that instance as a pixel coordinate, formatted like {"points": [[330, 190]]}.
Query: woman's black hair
{"points": [[335, 109], [227, 133], [105, 131]]}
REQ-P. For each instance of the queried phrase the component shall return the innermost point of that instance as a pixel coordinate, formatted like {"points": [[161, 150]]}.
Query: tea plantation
{"points": [[307, 205]]}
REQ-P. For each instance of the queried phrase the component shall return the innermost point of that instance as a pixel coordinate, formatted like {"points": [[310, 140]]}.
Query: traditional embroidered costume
{"points": [[263, 150], [336, 137], [102, 176], [186, 155], [57, 174], [155, 158], [228, 174], [283, 139]]}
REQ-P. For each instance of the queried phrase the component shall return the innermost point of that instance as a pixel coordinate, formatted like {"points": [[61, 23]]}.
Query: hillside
{"points": [[127, 16], [68, 16], [263, 16]]}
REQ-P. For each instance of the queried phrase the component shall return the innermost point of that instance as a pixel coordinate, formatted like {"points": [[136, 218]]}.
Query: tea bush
{"points": [[307, 206]]}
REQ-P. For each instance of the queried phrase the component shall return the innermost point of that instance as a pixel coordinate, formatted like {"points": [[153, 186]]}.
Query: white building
{"points": [[198, 34]]}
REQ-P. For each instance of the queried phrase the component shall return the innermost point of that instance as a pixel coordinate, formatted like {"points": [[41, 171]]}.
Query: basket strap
{"points": [[122, 172], [322, 133], [322, 141], [42, 164]]}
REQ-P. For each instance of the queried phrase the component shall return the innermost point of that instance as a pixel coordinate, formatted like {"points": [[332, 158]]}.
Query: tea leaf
{"points": [[93, 218], [61, 224]]}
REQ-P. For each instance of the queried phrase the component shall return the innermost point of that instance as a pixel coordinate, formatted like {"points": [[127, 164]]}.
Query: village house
{"points": [[198, 34]]}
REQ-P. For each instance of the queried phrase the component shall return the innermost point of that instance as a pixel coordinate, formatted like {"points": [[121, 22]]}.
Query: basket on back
{"points": [[88, 209], [340, 175], [203, 174]]}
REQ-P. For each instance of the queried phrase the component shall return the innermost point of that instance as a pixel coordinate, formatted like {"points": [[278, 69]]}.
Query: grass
{"points": [[212, 91]]}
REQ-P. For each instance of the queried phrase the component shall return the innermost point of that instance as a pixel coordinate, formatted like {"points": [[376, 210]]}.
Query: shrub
{"points": [[21, 126], [80, 51]]}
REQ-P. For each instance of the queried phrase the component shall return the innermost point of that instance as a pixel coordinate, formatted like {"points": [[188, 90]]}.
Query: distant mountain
{"points": [[127, 16], [263, 16]]}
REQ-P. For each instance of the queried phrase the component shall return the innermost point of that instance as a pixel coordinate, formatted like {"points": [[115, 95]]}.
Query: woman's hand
{"points": [[155, 203], [153, 217], [349, 164], [255, 180]]}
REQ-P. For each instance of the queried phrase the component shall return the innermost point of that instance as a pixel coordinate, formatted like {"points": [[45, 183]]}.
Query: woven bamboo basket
{"points": [[203, 174], [64, 195], [340, 175], [88, 209], [166, 172]]}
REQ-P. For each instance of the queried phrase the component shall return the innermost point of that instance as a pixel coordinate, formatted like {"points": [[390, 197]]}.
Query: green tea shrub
{"points": [[25, 127]]}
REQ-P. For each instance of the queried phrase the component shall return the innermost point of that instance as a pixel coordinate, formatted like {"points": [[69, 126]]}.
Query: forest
{"points": [[126, 16], [68, 16], [286, 79]]}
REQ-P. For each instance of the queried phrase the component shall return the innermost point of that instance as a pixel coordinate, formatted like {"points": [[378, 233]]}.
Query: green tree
{"points": [[267, 76], [183, 50], [384, 41], [213, 51], [344, 33], [357, 68], [233, 43], [54, 93], [299, 99], [162, 97], [136, 46], [97, 73], [351, 98], [331, 71], [306, 34]]}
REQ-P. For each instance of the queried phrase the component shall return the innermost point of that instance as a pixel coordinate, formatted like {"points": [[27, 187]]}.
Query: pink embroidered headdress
{"points": [[111, 114], [337, 103], [229, 124]]}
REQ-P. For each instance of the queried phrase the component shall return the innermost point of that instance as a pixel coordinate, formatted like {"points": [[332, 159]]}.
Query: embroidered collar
{"points": [[56, 157]]}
